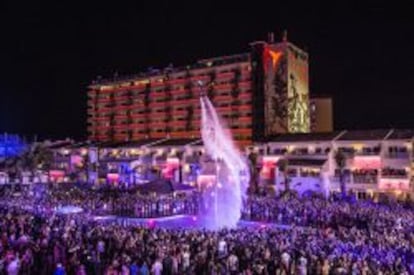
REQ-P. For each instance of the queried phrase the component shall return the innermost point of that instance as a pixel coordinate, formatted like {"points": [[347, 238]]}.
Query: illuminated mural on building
{"points": [[275, 89], [298, 91], [286, 90]]}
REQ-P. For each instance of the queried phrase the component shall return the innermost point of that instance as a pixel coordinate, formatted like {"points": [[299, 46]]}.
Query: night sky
{"points": [[361, 55]]}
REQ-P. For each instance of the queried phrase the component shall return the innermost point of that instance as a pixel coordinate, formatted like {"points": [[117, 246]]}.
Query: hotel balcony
{"points": [[158, 134], [120, 137], [246, 119], [121, 107], [158, 84], [246, 107], [225, 75], [227, 86], [223, 98], [368, 151], [177, 81], [393, 173], [185, 102], [138, 136], [178, 123], [103, 110], [179, 92], [103, 100], [101, 137], [175, 112], [223, 109], [121, 126], [157, 104], [102, 127], [136, 115], [246, 83], [185, 134], [158, 123], [245, 131], [245, 96], [200, 77], [119, 99], [120, 117]]}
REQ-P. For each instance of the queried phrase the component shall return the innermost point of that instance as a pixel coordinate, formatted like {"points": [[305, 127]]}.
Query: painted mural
{"points": [[286, 90], [275, 88]]}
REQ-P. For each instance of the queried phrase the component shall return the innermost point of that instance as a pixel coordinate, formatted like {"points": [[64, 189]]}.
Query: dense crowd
{"points": [[323, 237], [109, 202]]}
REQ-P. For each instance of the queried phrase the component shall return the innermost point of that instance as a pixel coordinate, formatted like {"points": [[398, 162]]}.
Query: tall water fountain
{"points": [[223, 200]]}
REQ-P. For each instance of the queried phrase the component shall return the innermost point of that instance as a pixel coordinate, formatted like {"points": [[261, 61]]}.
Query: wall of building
{"points": [[321, 110], [167, 104]]}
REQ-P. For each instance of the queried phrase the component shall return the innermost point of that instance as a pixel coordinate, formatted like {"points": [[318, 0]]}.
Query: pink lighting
{"points": [[206, 180], [76, 160], [367, 162], [56, 175], [394, 184], [268, 167], [112, 177], [171, 165]]}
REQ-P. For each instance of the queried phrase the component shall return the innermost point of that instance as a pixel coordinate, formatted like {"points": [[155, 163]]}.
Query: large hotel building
{"points": [[259, 94], [146, 127]]}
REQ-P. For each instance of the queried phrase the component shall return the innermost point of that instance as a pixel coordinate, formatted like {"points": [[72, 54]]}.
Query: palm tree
{"points": [[282, 165], [43, 157], [340, 161], [254, 185]]}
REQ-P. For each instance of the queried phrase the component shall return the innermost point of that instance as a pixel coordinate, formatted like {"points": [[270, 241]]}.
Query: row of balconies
{"points": [[386, 172], [179, 81], [240, 106], [300, 151], [179, 117], [348, 151]]}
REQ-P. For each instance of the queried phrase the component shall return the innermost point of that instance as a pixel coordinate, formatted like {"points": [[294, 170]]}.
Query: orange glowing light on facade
{"points": [[275, 57]]}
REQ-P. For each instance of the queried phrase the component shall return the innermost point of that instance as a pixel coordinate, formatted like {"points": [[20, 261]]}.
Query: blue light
{"points": [[11, 145]]}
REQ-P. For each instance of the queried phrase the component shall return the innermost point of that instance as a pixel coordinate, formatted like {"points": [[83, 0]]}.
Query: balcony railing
{"points": [[399, 155], [225, 75]]}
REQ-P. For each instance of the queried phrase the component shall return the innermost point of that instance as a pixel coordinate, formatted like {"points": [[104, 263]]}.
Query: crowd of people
{"points": [[319, 236], [108, 201]]}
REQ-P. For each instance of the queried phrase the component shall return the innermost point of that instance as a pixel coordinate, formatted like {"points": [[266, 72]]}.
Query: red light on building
{"points": [[367, 162], [394, 184], [112, 177], [269, 164], [171, 166]]}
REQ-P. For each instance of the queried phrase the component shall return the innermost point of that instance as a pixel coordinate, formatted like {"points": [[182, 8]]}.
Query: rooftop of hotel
{"points": [[303, 137], [401, 134], [374, 134], [345, 135], [153, 72]]}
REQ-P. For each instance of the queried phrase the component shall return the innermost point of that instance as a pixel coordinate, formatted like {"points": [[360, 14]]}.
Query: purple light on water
{"points": [[232, 173]]}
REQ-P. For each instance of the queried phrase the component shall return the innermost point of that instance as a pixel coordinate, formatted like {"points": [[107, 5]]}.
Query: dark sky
{"points": [[361, 55]]}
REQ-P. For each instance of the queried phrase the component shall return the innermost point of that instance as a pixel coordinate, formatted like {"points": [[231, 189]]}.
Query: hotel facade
{"points": [[260, 93], [377, 161]]}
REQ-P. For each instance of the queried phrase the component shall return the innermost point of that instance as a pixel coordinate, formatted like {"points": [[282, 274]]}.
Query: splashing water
{"points": [[225, 200]]}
